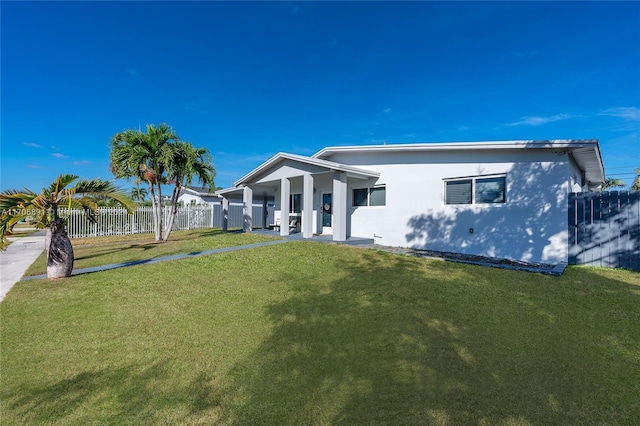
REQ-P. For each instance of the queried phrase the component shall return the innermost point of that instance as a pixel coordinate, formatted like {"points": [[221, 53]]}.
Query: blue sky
{"points": [[247, 80]]}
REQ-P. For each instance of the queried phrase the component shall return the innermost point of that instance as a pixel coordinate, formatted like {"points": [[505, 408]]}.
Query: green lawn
{"points": [[22, 230], [98, 251], [309, 333]]}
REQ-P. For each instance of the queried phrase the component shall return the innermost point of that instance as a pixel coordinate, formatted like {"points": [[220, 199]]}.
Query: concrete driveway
{"points": [[20, 254]]}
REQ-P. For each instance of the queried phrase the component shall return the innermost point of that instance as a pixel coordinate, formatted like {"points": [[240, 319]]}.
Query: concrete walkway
{"points": [[20, 254]]}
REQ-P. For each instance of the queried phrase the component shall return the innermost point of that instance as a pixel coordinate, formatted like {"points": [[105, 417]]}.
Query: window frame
{"points": [[474, 180], [292, 203], [367, 200]]}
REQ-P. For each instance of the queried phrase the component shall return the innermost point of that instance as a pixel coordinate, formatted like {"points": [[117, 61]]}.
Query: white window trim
{"points": [[473, 189]]}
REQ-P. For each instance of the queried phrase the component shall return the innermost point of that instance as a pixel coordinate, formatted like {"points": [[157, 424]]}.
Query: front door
{"points": [[327, 214]]}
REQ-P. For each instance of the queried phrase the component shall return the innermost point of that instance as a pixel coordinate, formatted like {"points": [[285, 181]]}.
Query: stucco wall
{"points": [[186, 199], [530, 226]]}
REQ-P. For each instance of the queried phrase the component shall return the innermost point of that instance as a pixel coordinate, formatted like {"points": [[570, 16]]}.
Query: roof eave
{"points": [[457, 146], [354, 171]]}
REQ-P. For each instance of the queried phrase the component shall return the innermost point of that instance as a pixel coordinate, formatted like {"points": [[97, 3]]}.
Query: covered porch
{"points": [[310, 196]]}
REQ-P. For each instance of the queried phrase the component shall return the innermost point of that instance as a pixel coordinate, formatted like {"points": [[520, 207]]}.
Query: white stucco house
{"points": [[504, 199], [191, 195]]}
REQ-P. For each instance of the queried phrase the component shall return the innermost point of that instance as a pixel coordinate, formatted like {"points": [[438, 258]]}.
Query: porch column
{"points": [[339, 206], [247, 209], [307, 206], [225, 214], [285, 190]]}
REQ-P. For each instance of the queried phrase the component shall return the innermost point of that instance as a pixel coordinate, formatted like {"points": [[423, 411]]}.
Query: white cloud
{"points": [[31, 145], [58, 155], [537, 121], [628, 113], [80, 163], [33, 166], [386, 110]]}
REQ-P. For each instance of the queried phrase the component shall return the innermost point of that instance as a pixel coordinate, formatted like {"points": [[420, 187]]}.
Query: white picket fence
{"points": [[116, 221]]}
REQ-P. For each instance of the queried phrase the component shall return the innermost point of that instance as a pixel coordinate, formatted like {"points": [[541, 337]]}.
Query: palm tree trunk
{"points": [[156, 216], [60, 256], [174, 210], [47, 241], [160, 213]]}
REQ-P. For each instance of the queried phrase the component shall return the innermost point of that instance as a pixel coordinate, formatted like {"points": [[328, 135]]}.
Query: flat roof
{"points": [[586, 152]]}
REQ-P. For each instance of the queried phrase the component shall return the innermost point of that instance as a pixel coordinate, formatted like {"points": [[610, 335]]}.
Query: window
{"points": [[475, 190], [458, 192], [375, 196], [360, 197], [295, 205], [490, 190]]}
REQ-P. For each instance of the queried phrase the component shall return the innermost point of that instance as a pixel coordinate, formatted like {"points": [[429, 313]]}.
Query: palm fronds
{"points": [[16, 205]]}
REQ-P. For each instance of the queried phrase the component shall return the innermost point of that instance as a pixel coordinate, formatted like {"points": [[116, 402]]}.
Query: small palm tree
{"points": [[17, 205], [145, 157], [187, 162], [139, 194]]}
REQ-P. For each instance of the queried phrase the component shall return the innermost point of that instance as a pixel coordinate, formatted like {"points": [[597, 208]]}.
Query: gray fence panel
{"points": [[604, 229], [271, 210], [217, 216], [633, 244], [617, 227], [236, 216], [261, 216], [573, 229]]}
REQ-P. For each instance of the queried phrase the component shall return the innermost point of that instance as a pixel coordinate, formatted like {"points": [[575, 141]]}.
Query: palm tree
{"points": [[17, 205], [187, 162], [159, 157], [145, 156], [612, 183], [139, 194], [636, 182]]}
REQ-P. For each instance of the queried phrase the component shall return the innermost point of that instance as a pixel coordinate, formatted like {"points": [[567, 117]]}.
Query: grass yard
{"points": [[22, 230], [309, 333], [98, 251]]}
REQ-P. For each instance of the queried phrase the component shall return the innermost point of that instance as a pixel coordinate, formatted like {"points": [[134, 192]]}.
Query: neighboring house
{"points": [[197, 196], [499, 199]]}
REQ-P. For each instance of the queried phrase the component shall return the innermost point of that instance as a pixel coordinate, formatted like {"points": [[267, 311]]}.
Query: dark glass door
{"points": [[326, 210]]}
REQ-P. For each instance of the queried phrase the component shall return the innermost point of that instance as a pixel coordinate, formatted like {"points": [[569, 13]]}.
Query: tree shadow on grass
{"points": [[394, 340], [142, 247], [133, 394], [217, 231]]}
